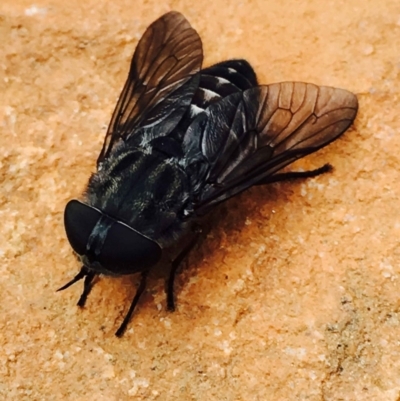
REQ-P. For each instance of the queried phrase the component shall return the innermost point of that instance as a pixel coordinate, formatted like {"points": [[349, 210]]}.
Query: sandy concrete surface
{"points": [[294, 294]]}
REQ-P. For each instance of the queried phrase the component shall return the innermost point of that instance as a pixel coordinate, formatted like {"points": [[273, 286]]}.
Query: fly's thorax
{"points": [[146, 190]]}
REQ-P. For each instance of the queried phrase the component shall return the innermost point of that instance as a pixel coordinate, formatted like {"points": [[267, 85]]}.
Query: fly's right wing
{"points": [[249, 136], [162, 80]]}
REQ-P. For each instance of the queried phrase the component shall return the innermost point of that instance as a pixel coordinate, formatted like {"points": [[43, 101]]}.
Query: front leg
{"points": [[139, 292], [87, 286]]}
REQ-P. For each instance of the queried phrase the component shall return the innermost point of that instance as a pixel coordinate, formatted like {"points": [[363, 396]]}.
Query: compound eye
{"points": [[79, 221], [125, 251]]}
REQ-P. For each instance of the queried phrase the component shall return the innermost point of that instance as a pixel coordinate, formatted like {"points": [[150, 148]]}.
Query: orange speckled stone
{"points": [[294, 294]]}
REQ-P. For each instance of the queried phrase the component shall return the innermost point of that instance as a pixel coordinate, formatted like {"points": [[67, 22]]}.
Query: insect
{"points": [[182, 140]]}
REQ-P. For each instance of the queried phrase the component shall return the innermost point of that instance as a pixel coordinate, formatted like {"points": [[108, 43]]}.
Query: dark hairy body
{"points": [[182, 140]]}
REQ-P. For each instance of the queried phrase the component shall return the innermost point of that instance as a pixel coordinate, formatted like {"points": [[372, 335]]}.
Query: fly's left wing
{"points": [[162, 80], [249, 136]]}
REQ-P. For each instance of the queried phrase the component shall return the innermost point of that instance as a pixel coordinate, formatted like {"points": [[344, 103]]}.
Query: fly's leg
{"points": [[87, 286], [293, 175], [139, 292], [174, 267], [83, 272]]}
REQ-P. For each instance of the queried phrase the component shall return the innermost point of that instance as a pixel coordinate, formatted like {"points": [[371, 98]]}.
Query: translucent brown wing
{"points": [[161, 82], [249, 136]]}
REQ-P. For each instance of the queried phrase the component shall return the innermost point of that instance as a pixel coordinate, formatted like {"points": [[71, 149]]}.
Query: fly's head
{"points": [[105, 245]]}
